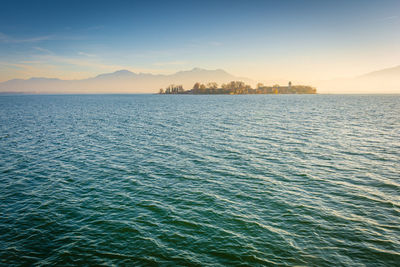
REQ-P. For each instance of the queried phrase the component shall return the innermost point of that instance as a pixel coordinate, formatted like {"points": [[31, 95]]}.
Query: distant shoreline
{"points": [[148, 94], [238, 88]]}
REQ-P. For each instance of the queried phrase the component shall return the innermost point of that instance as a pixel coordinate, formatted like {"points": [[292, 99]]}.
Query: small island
{"points": [[238, 88]]}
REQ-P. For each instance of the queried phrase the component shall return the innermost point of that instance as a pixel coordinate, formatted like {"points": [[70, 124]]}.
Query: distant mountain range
{"points": [[122, 81], [385, 81]]}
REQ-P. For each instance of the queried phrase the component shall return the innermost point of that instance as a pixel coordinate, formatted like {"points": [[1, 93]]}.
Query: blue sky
{"points": [[263, 40]]}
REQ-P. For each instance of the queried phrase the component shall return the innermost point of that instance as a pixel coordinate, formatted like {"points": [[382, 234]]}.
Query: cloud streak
{"points": [[44, 50], [388, 18], [8, 39], [4, 38], [86, 54]]}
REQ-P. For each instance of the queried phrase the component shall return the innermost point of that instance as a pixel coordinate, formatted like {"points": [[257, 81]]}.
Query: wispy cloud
{"points": [[4, 38], [86, 54], [44, 50], [93, 63], [388, 18], [31, 62], [8, 39]]}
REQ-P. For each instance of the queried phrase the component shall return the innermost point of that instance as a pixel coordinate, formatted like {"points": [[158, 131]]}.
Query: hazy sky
{"points": [[262, 40]]}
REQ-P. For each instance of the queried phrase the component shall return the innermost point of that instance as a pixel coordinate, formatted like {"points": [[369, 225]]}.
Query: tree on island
{"points": [[238, 88], [212, 85], [174, 89], [200, 88]]}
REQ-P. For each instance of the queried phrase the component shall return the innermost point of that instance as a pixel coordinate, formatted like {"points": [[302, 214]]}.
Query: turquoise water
{"points": [[200, 180]]}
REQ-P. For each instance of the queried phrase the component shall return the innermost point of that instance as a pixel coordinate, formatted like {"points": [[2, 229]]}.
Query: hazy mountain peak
{"points": [[118, 73], [379, 81], [394, 71], [121, 81], [123, 72], [201, 71], [197, 69], [43, 79], [220, 70]]}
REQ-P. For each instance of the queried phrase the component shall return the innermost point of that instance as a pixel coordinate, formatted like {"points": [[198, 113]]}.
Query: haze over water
{"points": [[200, 180]]}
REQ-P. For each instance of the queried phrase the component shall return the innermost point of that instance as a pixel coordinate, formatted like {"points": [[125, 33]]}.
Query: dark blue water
{"points": [[308, 180]]}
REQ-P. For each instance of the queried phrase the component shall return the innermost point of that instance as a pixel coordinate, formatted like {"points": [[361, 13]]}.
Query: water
{"points": [[200, 180]]}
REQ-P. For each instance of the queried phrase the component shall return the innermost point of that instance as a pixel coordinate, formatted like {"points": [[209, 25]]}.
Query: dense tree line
{"points": [[238, 88]]}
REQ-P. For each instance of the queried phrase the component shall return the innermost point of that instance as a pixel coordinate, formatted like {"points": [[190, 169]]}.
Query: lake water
{"points": [[212, 180]]}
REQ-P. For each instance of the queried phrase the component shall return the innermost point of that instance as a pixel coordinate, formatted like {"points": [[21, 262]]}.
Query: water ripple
{"points": [[292, 180]]}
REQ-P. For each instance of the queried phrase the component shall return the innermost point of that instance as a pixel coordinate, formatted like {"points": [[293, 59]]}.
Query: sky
{"points": [[261, 40]]}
